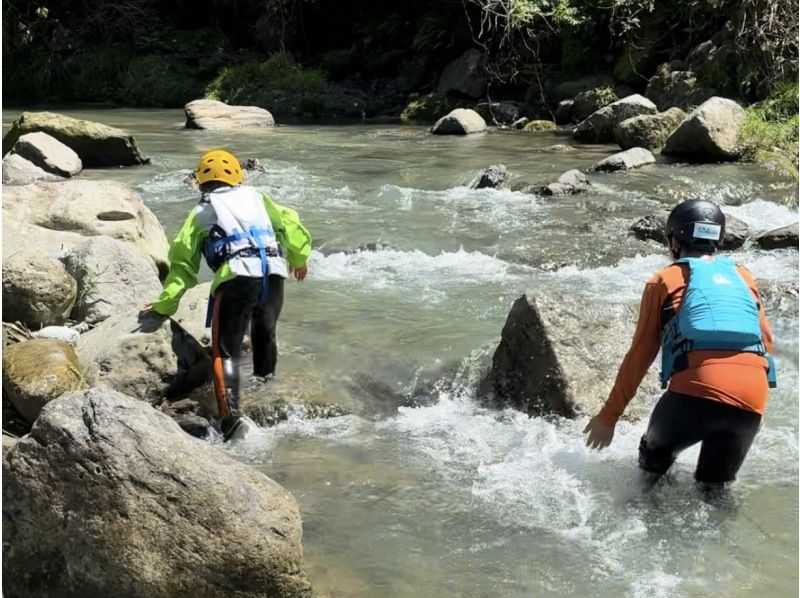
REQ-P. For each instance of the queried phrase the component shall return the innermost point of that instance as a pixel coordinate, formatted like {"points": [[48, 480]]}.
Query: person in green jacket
{"points": [[252, 244]]}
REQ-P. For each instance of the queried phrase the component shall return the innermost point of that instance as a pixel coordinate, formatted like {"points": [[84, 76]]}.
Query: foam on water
{"points": [[762, 215]]}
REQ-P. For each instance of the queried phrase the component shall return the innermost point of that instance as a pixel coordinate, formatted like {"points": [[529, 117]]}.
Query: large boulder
{"points": [[590, 101], [780, 238], [111, 278], [108, 497], [215, 115], [710, 133], [559, 354], [37, 371], [635, 157], [599, 127], [460, 121], [649, 131], [19, 171], [192, 311], [146, 356], [564, 112], [37, 289], [98, 145], [500, 113], [674, 85], [48, 153], [651, 228], [58, 216], [464, 75]]}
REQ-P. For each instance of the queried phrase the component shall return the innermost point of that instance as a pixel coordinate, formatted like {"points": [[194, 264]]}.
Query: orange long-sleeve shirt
{"points": [[735, 378]]}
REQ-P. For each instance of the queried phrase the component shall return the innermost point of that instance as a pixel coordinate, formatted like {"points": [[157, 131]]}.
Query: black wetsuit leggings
{"points": [[679, 421], [238, 303]]}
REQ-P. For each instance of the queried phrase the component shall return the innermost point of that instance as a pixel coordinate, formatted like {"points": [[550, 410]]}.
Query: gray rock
{"points": [[499, 113], [58, 216], [37, 290], [520, 123], [558, 354], [464, 75], [590, 101], [194, 425], [111, 278], [192, 310], [215, 115], [636, 157], [19, 171], [534, 126], [710, 133], [108, 497], [97, 145], [48, 153], [58, 333], [569, 183], [559, 148], [38, 371], [493, 177], [599, 127], [780, 238], [649, 131], [564, 112], [651, 227], [149, 357], [460, 121]]}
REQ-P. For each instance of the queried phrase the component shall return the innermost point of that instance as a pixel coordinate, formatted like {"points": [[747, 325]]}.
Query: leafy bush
{"points": [[94, 74], [774, 121], [426, 109], [158, 81]]}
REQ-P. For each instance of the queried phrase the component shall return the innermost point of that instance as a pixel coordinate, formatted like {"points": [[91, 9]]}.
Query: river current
{"points": [[412, 277]]}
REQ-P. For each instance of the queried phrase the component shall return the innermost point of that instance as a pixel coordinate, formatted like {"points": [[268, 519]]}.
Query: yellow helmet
{"points": [[219, 165]]}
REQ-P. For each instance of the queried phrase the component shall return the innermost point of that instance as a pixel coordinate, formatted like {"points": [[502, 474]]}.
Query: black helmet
{"points": [[696, 224]]}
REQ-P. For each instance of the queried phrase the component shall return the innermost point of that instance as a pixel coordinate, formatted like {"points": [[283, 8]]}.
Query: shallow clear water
{"points": [[449, 499]]}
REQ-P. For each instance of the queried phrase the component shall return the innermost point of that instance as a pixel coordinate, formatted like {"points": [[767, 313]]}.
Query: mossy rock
{"points": [[427, 109], [535, 126], [37, 371]]}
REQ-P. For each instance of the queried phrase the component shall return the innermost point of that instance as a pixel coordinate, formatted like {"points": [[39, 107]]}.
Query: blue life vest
{"points": [[717, 312]]}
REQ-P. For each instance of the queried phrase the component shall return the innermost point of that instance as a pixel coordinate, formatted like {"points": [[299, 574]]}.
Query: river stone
{"points": [[559, 354], [147, 356], [58, 333], [674, 85], [215, 115], [37, 290], [58, 216], [534, 126], [649, 131], [651, 227], [499, 113], [710, 133], [108, 497], [48, 153], [19, 171], [780, 238], [493, 177], [570, 182], [96, 144], [520, 123], [590, 101], [110, 278], [464, 75], [37, 371], [461, 121], [599, 127], [563, 114], [636, 157]]}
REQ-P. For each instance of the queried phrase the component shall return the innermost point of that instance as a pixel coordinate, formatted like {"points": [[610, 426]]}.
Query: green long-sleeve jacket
{"points": [[185, 252]]}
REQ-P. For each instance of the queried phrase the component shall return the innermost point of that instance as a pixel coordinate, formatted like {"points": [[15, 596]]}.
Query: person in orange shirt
{"points": [[716, 396]]}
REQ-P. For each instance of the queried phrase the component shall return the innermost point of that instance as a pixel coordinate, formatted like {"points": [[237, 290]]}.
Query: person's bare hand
{"points": [[599, 435], [301, 273]]}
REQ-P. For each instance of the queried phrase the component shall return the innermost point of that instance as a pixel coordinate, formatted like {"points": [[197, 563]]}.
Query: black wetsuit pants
{"points": [[237, 304], [679, 421]]}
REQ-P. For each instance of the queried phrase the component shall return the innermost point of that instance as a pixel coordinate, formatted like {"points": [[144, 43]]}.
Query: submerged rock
{"points": [[216, 115], [780, 238], [96, 144], [710, 133], [109, 497], [636, 157], [569, 183], [460, 121], [493, 177], [559, 354], [38, 371], [37, 289]]}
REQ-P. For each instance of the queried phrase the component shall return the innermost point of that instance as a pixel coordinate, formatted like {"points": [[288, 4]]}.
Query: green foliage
{"points": [[158, 81], [606, 94], [426, 109], [771, 127], [94, 73]]}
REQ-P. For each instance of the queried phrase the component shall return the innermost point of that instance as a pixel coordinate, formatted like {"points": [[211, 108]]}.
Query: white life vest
{"points": [[242, 234]]}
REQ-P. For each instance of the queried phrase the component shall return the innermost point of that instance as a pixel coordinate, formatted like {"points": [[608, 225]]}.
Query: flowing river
{"points": [[412, 277]]}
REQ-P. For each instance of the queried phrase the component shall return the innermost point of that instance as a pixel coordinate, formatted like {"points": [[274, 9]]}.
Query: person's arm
{"points": [[184, 263], [291, 234], [643, 350]]}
